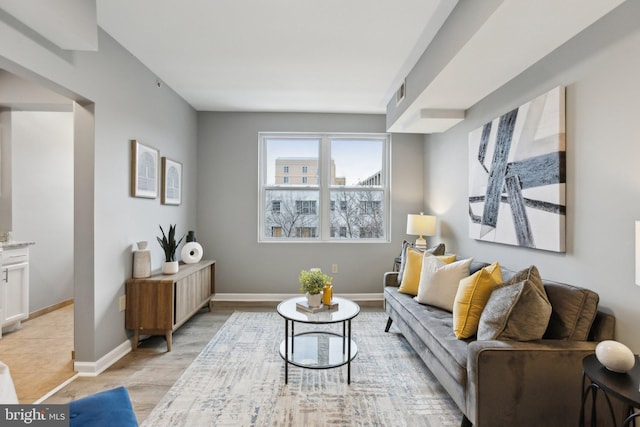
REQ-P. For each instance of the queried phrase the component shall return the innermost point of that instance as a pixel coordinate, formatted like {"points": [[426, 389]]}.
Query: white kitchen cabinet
{"points": [[14, 287]]}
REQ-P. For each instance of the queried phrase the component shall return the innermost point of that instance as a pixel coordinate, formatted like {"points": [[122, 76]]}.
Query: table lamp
{"points": [[421, 225]]}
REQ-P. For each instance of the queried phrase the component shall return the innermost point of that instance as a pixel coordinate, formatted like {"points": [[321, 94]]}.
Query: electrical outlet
{"points": [[123, 302], [334, 268]]}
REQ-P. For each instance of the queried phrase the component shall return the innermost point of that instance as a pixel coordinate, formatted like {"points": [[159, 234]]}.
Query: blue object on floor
{"points": [[105, 409]]}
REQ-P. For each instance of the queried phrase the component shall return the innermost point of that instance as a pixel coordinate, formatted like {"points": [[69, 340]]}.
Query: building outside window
{"points": [[346, 199]]}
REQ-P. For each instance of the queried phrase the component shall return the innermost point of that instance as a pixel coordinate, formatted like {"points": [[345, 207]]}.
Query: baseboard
{"points": [[49, 309], [55, 390], [230, 297], [92, 369]]}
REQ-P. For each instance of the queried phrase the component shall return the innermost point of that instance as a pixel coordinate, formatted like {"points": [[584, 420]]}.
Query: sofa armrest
{"points": [[390, 279], [525, 383]]}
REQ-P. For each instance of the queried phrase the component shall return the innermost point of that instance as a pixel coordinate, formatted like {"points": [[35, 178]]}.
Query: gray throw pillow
{"points": [[517, 310], [436, 250]]}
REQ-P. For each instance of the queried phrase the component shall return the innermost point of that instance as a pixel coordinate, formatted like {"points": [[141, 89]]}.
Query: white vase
{"points": [[314, 300], [615, 356], [142, 261], [191, 253], [170, 267]]}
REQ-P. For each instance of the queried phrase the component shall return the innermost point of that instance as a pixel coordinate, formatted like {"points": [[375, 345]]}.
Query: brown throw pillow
{"points": [[517, 310]]}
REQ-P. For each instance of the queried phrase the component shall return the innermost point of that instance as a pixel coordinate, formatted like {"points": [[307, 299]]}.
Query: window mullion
{"points": [[325, 197]]}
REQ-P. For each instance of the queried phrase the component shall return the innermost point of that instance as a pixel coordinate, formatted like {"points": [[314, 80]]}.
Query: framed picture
{"points": [[517, 176], [171, 182], [144, 170]]}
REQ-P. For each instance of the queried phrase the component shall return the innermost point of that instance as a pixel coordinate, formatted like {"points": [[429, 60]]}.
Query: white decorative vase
{"points": [[191, 253], [170, 267], [142, 261], [314, 300], [615, 356]]}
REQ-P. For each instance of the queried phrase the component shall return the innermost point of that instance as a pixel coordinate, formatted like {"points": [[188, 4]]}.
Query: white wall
{"points": [[228, 204], [600, 70], [42, 151], [122, 95]]}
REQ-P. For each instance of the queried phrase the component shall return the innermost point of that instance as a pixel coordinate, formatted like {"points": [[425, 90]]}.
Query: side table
{"points": [[622, 386]]}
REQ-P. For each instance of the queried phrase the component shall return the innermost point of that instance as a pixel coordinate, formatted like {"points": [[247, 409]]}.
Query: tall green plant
{"points": [[169, 244]]}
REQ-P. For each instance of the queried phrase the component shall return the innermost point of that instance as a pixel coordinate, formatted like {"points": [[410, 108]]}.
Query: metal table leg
{"points": [[349, 356], [286, 351]]}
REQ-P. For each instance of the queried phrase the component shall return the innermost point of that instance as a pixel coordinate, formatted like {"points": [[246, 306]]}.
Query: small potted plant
{"points": [[311, 283], [169, 246]]}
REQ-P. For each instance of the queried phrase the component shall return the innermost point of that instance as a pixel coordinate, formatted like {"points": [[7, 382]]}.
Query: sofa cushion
{"points": [[436, 250], [439, 281], [413, 269], [573, 311], [517, 310], [434, 326], [472, 296]]}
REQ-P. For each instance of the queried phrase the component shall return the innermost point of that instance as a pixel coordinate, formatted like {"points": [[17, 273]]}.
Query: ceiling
{"points": [[342, 56], [278, 55]]}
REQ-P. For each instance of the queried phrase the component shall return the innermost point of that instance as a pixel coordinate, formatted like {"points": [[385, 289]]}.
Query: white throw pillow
{"points": [[439, 281]]}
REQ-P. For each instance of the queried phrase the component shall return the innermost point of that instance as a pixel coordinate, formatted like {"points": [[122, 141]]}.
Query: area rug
{"points": [[238, 380]]}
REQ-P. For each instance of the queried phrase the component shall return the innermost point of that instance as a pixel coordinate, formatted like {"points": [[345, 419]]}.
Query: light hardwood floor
{"points": [[39, 353], [149, 372]]}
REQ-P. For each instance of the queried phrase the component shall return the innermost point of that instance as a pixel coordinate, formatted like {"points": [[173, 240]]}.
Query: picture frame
{"points": [[171, 182], [144, 170]]}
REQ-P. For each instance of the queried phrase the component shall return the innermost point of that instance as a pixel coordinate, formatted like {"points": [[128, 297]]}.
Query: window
{"points": [[305, 207], [345, 198]]}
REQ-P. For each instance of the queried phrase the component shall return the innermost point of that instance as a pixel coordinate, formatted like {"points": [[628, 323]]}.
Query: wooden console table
{"points": [[160, 304]]}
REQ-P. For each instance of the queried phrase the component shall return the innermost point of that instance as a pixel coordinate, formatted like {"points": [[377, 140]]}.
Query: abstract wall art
{"points": [[517, 176]]}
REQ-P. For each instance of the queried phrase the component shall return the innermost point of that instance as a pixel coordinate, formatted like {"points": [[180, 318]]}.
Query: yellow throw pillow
{"points": [[411, 276], [447, 259], [472, 296]]}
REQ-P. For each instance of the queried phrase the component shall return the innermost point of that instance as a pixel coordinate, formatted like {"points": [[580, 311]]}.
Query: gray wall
{"points": [[600, 70], [42, 160], [228, 203], [123, 96]]}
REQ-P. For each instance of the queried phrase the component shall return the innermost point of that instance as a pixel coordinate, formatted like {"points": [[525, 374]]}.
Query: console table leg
{"points": [[167, 337], [136, 339]]}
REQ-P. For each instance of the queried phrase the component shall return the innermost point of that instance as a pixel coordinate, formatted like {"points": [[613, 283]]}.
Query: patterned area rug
{"points": [[238, 380]]}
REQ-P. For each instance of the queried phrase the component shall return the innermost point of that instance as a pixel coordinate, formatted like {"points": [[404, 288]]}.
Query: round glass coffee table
{"points": [[318, 349]]}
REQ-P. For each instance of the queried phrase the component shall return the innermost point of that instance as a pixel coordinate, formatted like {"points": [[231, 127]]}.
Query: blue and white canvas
{"points": [[517, 176]]}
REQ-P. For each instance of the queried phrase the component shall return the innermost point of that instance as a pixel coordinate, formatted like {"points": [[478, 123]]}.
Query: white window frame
{"points": [[325, 187]]}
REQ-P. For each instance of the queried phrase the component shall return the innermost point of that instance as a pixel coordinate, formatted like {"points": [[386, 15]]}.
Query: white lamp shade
{"points": [[421, 225]]}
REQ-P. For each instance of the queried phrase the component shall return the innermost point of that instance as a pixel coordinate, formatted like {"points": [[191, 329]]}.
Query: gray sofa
{"points": [[506, 383]]}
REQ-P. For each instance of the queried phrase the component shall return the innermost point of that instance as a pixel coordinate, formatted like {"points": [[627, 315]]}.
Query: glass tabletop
{"points": [[346, 310], [318, 350]]}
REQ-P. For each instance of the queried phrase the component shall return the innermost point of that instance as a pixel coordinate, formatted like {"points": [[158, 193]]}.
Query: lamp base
{"points": [[421, 243]]}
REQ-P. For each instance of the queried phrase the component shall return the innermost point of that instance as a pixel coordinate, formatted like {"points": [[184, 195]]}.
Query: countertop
{"points": [[14, 244]]}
